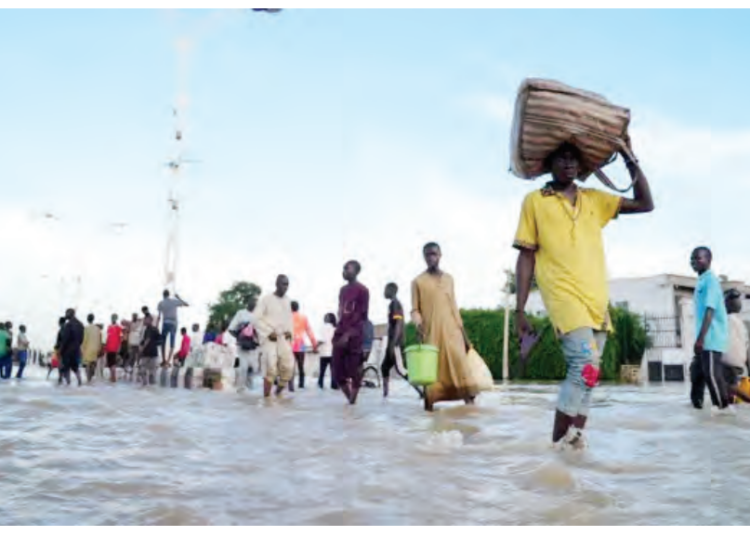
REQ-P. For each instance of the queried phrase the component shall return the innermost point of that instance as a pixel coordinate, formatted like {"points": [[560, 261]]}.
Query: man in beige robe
{"points": [[273, 322]]}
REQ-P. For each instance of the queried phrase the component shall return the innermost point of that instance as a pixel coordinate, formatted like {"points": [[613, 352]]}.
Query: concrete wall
{"points": [[648, 295]]}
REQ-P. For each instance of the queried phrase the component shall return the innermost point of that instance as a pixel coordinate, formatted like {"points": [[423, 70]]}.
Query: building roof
{"points": [[689, 282]]}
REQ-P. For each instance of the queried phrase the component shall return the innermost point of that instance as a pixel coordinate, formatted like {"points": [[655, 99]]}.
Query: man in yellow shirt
{"points": [[559, 239]]}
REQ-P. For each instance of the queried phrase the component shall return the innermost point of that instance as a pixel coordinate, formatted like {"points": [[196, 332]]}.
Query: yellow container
{"points": [[744, 387]]}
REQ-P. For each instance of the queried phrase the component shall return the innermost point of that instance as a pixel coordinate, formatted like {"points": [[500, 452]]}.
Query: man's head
{"points": [[282, 285], [733, 301], [252, 301], [391, 289], [183, 331], [196, 328], [70, 314], [330, 318], [114, 319], [144, 310], [9, 325], [148, 320], [90, 318], [701, 259], [564, 163], [135, 317], [165, 294], [22, 328], [432, 256], [352, 270], [295, 307], [61, 321]]}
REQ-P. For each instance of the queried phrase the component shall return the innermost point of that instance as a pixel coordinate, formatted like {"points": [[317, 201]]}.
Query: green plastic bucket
{"points": [[422, 364]]}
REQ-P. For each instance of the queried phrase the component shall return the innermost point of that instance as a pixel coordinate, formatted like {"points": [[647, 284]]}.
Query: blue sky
{"points": [[329, 134]]}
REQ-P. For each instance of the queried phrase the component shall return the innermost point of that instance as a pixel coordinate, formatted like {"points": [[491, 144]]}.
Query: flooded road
{"points": [[123, 455]]}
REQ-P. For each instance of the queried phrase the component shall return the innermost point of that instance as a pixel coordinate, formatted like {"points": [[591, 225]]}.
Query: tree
{"points": [[230, 301]]}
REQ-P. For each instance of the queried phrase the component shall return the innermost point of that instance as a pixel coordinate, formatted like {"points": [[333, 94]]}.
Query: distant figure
{"points": [[395, 335], [112, 347], [22, 347], [149, 352], [273, 322], [737, 355], [435, 314], [168, 312], [325, 348], [348, 340], [91, 348], [242, 328], [220, 335], [210, 335], [6, 353], [184, 348], [368, 338], [56, 354], [301, 328], [135, 336], [70, 347], [712, 334], [196, 338], [53, 364]]}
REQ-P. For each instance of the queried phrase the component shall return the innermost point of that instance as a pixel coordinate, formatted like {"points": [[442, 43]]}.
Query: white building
{"points": [[666, 304]]}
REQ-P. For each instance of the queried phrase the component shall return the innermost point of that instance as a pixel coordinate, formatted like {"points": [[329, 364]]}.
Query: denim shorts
{"points": [[581, 347], [168, 328]]}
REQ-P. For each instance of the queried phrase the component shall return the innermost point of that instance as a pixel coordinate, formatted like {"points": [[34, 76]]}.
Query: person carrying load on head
{"points": [[559, 241]]}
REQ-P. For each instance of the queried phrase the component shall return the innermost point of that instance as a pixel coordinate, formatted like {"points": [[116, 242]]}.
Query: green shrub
{"points": [[546, 361]]}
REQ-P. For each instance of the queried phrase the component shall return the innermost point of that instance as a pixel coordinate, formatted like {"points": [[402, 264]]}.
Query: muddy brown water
{"points": [[121, 455]]}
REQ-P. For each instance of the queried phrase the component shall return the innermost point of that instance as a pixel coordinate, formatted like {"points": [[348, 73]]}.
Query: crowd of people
{"points": [[560, 246]]}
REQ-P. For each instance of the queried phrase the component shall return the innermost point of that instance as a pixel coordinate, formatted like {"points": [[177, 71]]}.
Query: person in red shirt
{"points": [[184, 347], [112, 347]]}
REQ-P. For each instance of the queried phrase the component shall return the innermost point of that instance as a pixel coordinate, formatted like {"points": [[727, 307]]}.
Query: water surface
{"points": [[121, 455]]}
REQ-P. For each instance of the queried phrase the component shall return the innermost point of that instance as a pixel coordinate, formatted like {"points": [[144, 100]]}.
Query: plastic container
{"points": [[744, 387], [422, 364]]}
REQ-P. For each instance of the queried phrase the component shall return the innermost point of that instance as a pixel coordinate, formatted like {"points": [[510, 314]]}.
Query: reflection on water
{"points": [[120, 455]]}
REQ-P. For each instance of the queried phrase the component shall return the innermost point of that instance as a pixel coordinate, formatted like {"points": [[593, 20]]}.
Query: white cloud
{"points": [[412, 196]]}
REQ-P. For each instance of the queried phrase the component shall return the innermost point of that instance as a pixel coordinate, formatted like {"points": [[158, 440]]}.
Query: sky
{"points": [[327, 135]]}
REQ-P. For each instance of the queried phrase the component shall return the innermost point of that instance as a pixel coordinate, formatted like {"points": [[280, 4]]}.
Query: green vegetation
{"points": [[230, 301], [546, 362]]}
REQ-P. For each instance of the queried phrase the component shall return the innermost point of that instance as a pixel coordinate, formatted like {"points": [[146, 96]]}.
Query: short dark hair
{"points": [[732, 294], [430, 245], [183, 331], [356, 265], [295, 306], [331, 319], [91, 317], [393, 286], [565, 146]]}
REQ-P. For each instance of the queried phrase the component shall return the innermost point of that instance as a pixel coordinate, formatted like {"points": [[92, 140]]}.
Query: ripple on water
{"points": [[120, 455]]}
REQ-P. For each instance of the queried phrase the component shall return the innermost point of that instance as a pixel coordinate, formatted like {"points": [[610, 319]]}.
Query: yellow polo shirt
{"points": [[570, 269]]}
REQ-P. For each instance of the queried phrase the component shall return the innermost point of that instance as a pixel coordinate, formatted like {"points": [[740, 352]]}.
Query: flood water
{"points": [[122, 455]]}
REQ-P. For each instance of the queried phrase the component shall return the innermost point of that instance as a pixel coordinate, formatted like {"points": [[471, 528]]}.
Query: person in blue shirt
{"points": [[712, 334]]}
